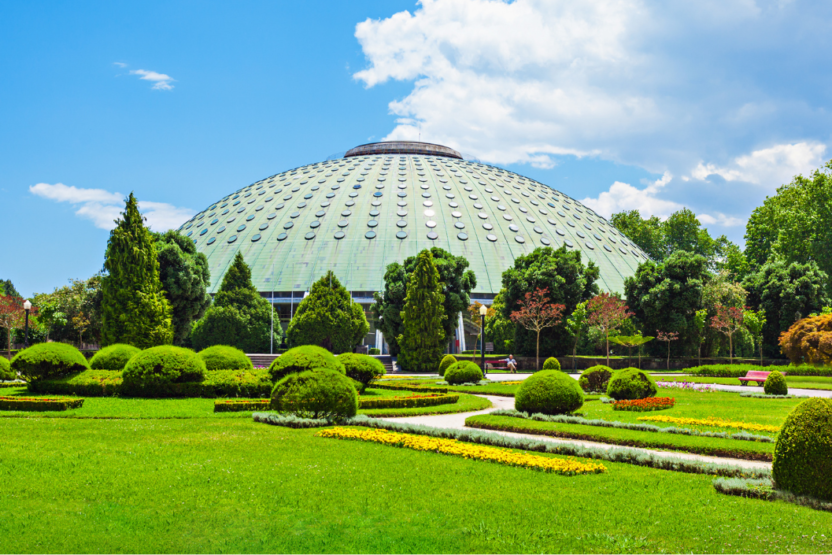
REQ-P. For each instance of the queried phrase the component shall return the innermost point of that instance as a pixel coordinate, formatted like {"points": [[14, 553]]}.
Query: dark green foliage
{"points": [[803, 455], [61, 311], [7, 289], [551, 363], [39, 405], [328, 317], [316, 394], [6, 370], [154, 369], [447, 360], [113, 357], [463, 372], [239, 317], [48, 360], [631, 383], [185, 280], [423, 337], [362, 368], [549, 392], [456, 280], [665, 296], [595, 379], [775, 384], [786, 292], [499, 329], [569, 282], [224, 357], [134, 308], [300, 359], [374, 351]]}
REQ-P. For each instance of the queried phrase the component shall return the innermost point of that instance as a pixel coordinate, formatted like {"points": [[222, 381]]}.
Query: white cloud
{"points": [[720, 219], [160, 81], [120, 64], [623, 196], [103, 207]]}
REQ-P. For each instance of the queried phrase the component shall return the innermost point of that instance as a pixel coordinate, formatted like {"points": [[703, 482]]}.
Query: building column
{"points": [[460, 331]]}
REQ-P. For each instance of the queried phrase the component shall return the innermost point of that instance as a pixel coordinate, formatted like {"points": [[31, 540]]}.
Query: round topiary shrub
{"points": [[595, 379], [48, 360], [223, 357], [113, 357], [316, 394], [362, 368], [463, 372], [802, 461], [775, 384], [549, 392], [374, 351], [156, 367], [551, 363], [303, 358], [447, 360], [6, 373], [631, 383]]}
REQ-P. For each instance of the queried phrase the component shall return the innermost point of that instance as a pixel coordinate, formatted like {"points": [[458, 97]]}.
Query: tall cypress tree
{"points": [[423, 340], [134, 308]]}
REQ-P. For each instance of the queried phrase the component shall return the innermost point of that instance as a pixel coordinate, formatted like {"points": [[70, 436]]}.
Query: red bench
{"points": [[758, 377]]}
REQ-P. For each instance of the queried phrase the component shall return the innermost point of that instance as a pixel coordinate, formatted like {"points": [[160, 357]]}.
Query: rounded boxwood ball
{"points": [[549, 392], [551, 363], [463, 372], [161, 365], [447, 360], [775, 384], [48, 360], [595, 378], [6, 373], [223, 357], [113, 357], [303, 358], [802, 461], [631, 383], [316, 394], [361, 368]]}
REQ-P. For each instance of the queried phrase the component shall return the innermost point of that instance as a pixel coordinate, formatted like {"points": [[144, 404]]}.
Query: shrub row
{"points": [[739, 370], [404, 387], [408, 402], [752, 395], [241, 405], [37, 404], [12, 384]]}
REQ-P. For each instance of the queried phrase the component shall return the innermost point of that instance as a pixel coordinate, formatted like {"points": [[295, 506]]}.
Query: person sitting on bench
{"points": [[511, 363]]}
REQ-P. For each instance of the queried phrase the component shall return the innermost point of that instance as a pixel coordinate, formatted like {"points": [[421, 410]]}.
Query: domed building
{"points": [[383, 202]]}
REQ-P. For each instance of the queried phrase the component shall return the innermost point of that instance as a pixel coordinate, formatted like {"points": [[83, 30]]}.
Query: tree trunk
{"points": [[699, 354], [537, 354], [668, 355], [608, 349], [574, 354], [9, 344], [730, 349]]}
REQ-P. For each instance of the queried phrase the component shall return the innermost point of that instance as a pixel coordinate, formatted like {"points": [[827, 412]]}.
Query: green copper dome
{"points": [[386, 201]]}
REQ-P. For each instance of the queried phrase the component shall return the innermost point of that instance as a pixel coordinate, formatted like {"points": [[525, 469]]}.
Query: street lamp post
{"points": [[27, 306], [483, 310]]}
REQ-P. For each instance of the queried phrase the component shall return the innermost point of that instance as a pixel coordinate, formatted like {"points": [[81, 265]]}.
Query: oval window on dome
{"points": [[514, 228], [232, 238], [568, 243], [430, 223], [401, 223], [560, 232], [221, 229], [249, 217], [315, 224], [370, 235], [203, 232], [507, 217], [310, 235], [401, 234], [211, 241], [459, 225], [433, 236], [372, 223], [545, 241], [255, 238], [520, 239], [491, 237], [489, 227], [288, 225]]}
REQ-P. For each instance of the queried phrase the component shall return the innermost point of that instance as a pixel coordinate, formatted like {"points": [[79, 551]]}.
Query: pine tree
{"points": [[423, 340], [134, 307]]}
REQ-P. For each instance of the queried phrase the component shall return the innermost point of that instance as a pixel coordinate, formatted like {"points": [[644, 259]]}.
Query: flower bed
{"points": [[645, 405], [566, 467], [37, 404], [713, 421]]}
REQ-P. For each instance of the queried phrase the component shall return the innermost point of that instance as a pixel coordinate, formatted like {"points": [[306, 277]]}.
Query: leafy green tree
{"points": [[499, 330], [8, 289], [785, 292], [457, 283], [58, 311], [575, 326], [754, 321], [646, 233], [239, 317], [134, 308], [569, 282], [631, 341], [185, 280], [700, 321], [328, 317], [722, 290], [423, 339]]}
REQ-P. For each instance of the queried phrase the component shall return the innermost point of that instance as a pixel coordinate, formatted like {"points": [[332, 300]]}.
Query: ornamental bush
{"points": [[316, 394], [549, 392], [776, 384], [362, 368], [300, 359], [48, 360], [802, 461], [631, 383], [551, 364], [113, 357], [6, 370], [463, 372], [447, 360], [224, 357], [374, 351], [595, 378], [150, 371]]}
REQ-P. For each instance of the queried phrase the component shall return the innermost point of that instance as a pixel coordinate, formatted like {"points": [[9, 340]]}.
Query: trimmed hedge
{"points": [[374, 351], [404, 387], [241, 405], [551, 363], [595, 378], [803, 454], [446, 362], [740, 370], [48, 360], [303, 358], [631, 383], [463, 372], [223, 357], [549, 392], [361, 368], [150, 373], [775, 384], [316, 394], [38, 404], [408, 402], [113, 357], [6, 370]]}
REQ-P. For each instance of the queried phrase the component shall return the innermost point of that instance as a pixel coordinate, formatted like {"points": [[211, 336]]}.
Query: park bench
{"points": [[497, 365], [758, 377]]}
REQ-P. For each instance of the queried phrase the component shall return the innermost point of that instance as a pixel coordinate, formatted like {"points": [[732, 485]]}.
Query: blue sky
{"points": [[622, 104]]}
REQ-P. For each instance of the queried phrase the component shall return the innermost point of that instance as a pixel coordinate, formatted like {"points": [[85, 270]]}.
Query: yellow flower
{"points": [[713, 421]]}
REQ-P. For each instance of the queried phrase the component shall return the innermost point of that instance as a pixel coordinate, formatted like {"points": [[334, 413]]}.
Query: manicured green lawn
{"points": [[212, 485], [466, 403]]}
